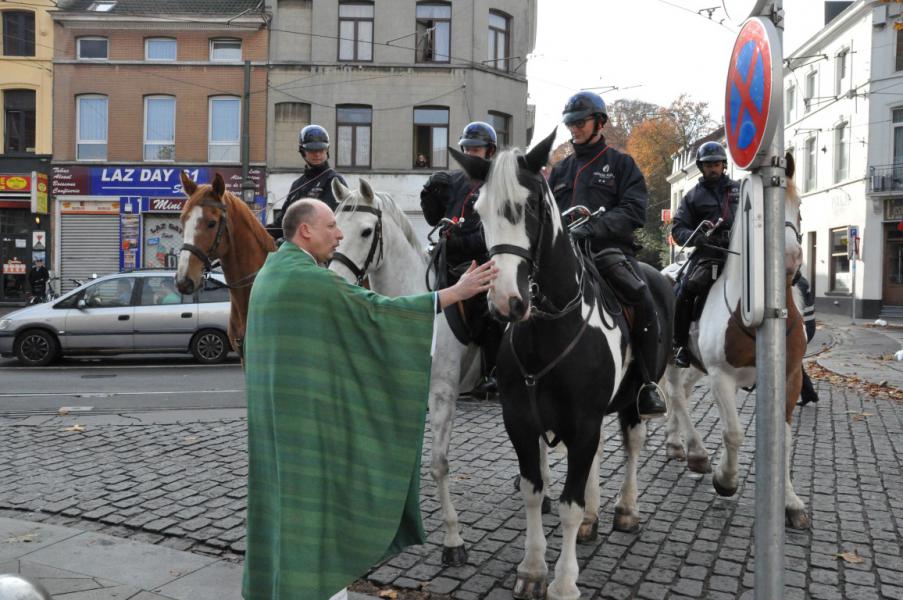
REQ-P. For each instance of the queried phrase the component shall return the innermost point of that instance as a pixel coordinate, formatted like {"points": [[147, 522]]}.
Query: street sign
{"points": [[740, 10], [752, 250], [853, 242], [752, 98]]}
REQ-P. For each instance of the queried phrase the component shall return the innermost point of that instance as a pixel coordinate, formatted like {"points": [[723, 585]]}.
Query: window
{"points": [[102, 6], [356, 31], [213, 293], [502, 124], [499, 24], [431, 135], [159, 49], [159, 128], [433, 32], [899, 62], [353, 133], [841, 152], [18, 122], [157, 291], [810, 164], [291, 117], [225, 50], [790, 104], [91, 128], [225, 129], [18, 33], [898, 144], [110, 293], [840, 261], [93, 48], [841, 71], [810, 89]]}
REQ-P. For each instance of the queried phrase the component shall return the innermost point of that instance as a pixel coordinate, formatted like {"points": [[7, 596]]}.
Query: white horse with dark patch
{"points": [[564, 364], [725, 350]]}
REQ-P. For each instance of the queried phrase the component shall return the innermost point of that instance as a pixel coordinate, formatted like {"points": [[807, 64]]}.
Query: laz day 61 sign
{"points": [[752, 99]]}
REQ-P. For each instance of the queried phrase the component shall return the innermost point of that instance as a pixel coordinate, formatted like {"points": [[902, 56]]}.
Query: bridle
{"points": [[360, 273], [222, 226]]}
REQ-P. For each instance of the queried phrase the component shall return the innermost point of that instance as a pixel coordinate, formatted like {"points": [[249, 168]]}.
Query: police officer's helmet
{"points": [[710, 152], [479, 134], [584, 105], [313, 137]]}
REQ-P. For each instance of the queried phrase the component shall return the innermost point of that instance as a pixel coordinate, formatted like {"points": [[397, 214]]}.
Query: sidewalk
{"points": [[862, 350]]}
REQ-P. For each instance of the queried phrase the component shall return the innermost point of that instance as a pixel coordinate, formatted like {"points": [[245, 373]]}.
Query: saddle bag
{"points": [[703, 275], [614, 267]]}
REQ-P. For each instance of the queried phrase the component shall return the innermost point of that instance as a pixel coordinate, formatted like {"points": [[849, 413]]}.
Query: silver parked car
{"points": [[124, 313]]}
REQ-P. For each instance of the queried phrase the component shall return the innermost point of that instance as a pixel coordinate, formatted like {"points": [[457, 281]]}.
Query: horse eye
{"points": [[211, 224], [367, 232]]}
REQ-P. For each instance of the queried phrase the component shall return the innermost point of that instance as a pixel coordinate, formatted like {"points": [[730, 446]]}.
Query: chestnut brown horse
{"points": [[216, 224]]}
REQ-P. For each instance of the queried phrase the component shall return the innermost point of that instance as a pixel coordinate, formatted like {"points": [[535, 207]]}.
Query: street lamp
{"points": [[248, 191]]}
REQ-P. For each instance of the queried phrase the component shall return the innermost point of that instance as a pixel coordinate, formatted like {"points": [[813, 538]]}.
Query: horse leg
{"points": [[697, 456], [676, 402], [794, 508], [532, 572], [725, 479], [546, 476], [581, 455], [442, 404], [589, 527], [633, 432]]}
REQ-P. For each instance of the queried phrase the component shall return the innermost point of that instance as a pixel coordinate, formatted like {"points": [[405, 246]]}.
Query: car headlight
{"points": [[5, 323]]}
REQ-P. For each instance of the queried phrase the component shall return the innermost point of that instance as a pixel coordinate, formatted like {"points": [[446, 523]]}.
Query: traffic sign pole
{"points": [[771, 350]]}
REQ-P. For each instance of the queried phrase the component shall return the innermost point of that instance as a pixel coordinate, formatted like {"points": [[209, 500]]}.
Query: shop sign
{"points": [[144, 181], [110, 207], [14, 266], [39, 191], [15, 183], [165, 204]]}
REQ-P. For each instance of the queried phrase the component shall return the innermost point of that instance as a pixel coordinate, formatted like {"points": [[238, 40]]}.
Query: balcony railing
{"points": [[886, 178]]}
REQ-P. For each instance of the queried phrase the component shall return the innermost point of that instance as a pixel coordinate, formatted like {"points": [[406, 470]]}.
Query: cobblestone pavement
{"points": [[183, 486]]}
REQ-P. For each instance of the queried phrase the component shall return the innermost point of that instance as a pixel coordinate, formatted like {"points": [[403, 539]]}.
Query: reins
{"points": [[361, 272]]}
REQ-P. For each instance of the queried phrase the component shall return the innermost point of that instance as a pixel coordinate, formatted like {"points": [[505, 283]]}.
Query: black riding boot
{"points": [[646, 339], [683, 316], [489, 342], [808, 393]]}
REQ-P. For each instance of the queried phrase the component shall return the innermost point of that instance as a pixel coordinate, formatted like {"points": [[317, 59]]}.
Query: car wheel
{"points": [[36, 348], [210, 346]]}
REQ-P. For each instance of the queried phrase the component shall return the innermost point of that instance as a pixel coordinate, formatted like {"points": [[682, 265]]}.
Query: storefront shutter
{"points": [[88, 244]]}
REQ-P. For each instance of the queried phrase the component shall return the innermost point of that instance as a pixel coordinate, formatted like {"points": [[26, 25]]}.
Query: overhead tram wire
{"points": [[698, 14]]}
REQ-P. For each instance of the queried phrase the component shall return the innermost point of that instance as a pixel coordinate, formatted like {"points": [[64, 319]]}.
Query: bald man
{"points": [[337, 381]]}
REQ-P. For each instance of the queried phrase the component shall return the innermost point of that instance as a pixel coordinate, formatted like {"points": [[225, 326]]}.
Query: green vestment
{"points": [[337, 381]]}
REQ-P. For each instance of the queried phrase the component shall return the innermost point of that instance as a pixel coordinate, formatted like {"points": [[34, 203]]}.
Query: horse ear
{"points": [[538, 157], [339, 191], [366, 190], [476, 168], [791, 165], [188, 186], [219, 186]]}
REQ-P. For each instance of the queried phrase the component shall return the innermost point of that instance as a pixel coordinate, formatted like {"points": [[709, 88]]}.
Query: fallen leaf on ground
{"points": [[75, 428], [191, 439], [862, 415], [851, 557], [63, 412], [462, 477], [25, 538], [390, 594]]}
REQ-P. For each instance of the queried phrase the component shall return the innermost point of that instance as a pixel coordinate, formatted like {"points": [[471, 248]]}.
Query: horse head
{"points": [[204, 227], [793, 250], [515, 207], [360, 218]]}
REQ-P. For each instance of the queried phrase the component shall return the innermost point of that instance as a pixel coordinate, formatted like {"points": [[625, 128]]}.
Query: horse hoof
{"points": [[626, 521], [571, 593], [546, 505], [454, 556], [699, 464], [588, 531], [675, 452], [797, 518], [723, 490], [529, 588]]}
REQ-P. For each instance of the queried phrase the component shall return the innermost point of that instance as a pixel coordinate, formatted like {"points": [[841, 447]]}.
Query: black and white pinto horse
{"points": [[564, 363]]}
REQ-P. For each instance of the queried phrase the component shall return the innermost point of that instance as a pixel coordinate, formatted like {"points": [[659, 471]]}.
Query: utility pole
{"points": [[247, 185]]}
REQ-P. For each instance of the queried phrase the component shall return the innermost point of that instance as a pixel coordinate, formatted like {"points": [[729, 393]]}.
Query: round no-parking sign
{"points": [[752, 99]]}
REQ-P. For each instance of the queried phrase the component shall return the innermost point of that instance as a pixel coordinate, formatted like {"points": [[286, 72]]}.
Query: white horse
{"points": [[726, 350], [381, 244]]}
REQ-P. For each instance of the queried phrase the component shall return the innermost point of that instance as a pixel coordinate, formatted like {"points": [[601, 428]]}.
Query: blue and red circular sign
{"points": [[752, 99]]}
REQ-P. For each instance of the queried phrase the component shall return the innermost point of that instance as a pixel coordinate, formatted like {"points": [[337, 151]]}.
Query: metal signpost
{"points": [[753, 117], [853, 253]]}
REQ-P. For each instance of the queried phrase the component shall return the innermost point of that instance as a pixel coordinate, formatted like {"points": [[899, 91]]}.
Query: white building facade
{"points": [[843, 123], [394, 82]]}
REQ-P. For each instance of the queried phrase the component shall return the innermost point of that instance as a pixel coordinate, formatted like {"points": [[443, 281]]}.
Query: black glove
{"points": [[720, 238], [583, 231], [440, 179], [698, 239]]}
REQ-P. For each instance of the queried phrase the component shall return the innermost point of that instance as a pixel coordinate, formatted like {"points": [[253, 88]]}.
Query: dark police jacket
{"points": [[465, 241], [707, 201], [598, 176], [315, 183]]}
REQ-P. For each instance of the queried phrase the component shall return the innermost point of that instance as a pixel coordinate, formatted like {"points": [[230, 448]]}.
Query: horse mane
{"points": [[389, 207]]}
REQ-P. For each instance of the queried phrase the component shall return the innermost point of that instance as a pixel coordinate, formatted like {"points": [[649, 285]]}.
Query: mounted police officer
{"points": [[452, 195], [597, 176], [313, 144], [714, 198]]}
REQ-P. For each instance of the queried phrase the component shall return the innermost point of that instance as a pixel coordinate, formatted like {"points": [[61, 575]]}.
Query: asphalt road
{"points": [[122, 383]]}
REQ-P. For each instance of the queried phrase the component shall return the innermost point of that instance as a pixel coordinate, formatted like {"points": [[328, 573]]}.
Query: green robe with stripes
{"points": [[337, 381]]}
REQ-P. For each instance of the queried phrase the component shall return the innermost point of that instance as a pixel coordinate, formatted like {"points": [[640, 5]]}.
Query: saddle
{"points": [[614, 303]]}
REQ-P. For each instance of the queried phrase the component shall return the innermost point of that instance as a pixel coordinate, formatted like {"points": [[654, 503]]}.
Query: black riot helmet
{"points": [[710, 152], [312, 137], [584, 105], [479, 134]]}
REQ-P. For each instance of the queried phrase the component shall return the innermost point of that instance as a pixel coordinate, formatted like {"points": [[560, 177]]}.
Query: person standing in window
{"points": [[316, 182]]}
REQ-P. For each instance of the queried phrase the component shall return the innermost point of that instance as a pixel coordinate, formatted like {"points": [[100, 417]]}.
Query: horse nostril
{"points": [[515, 308]]}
